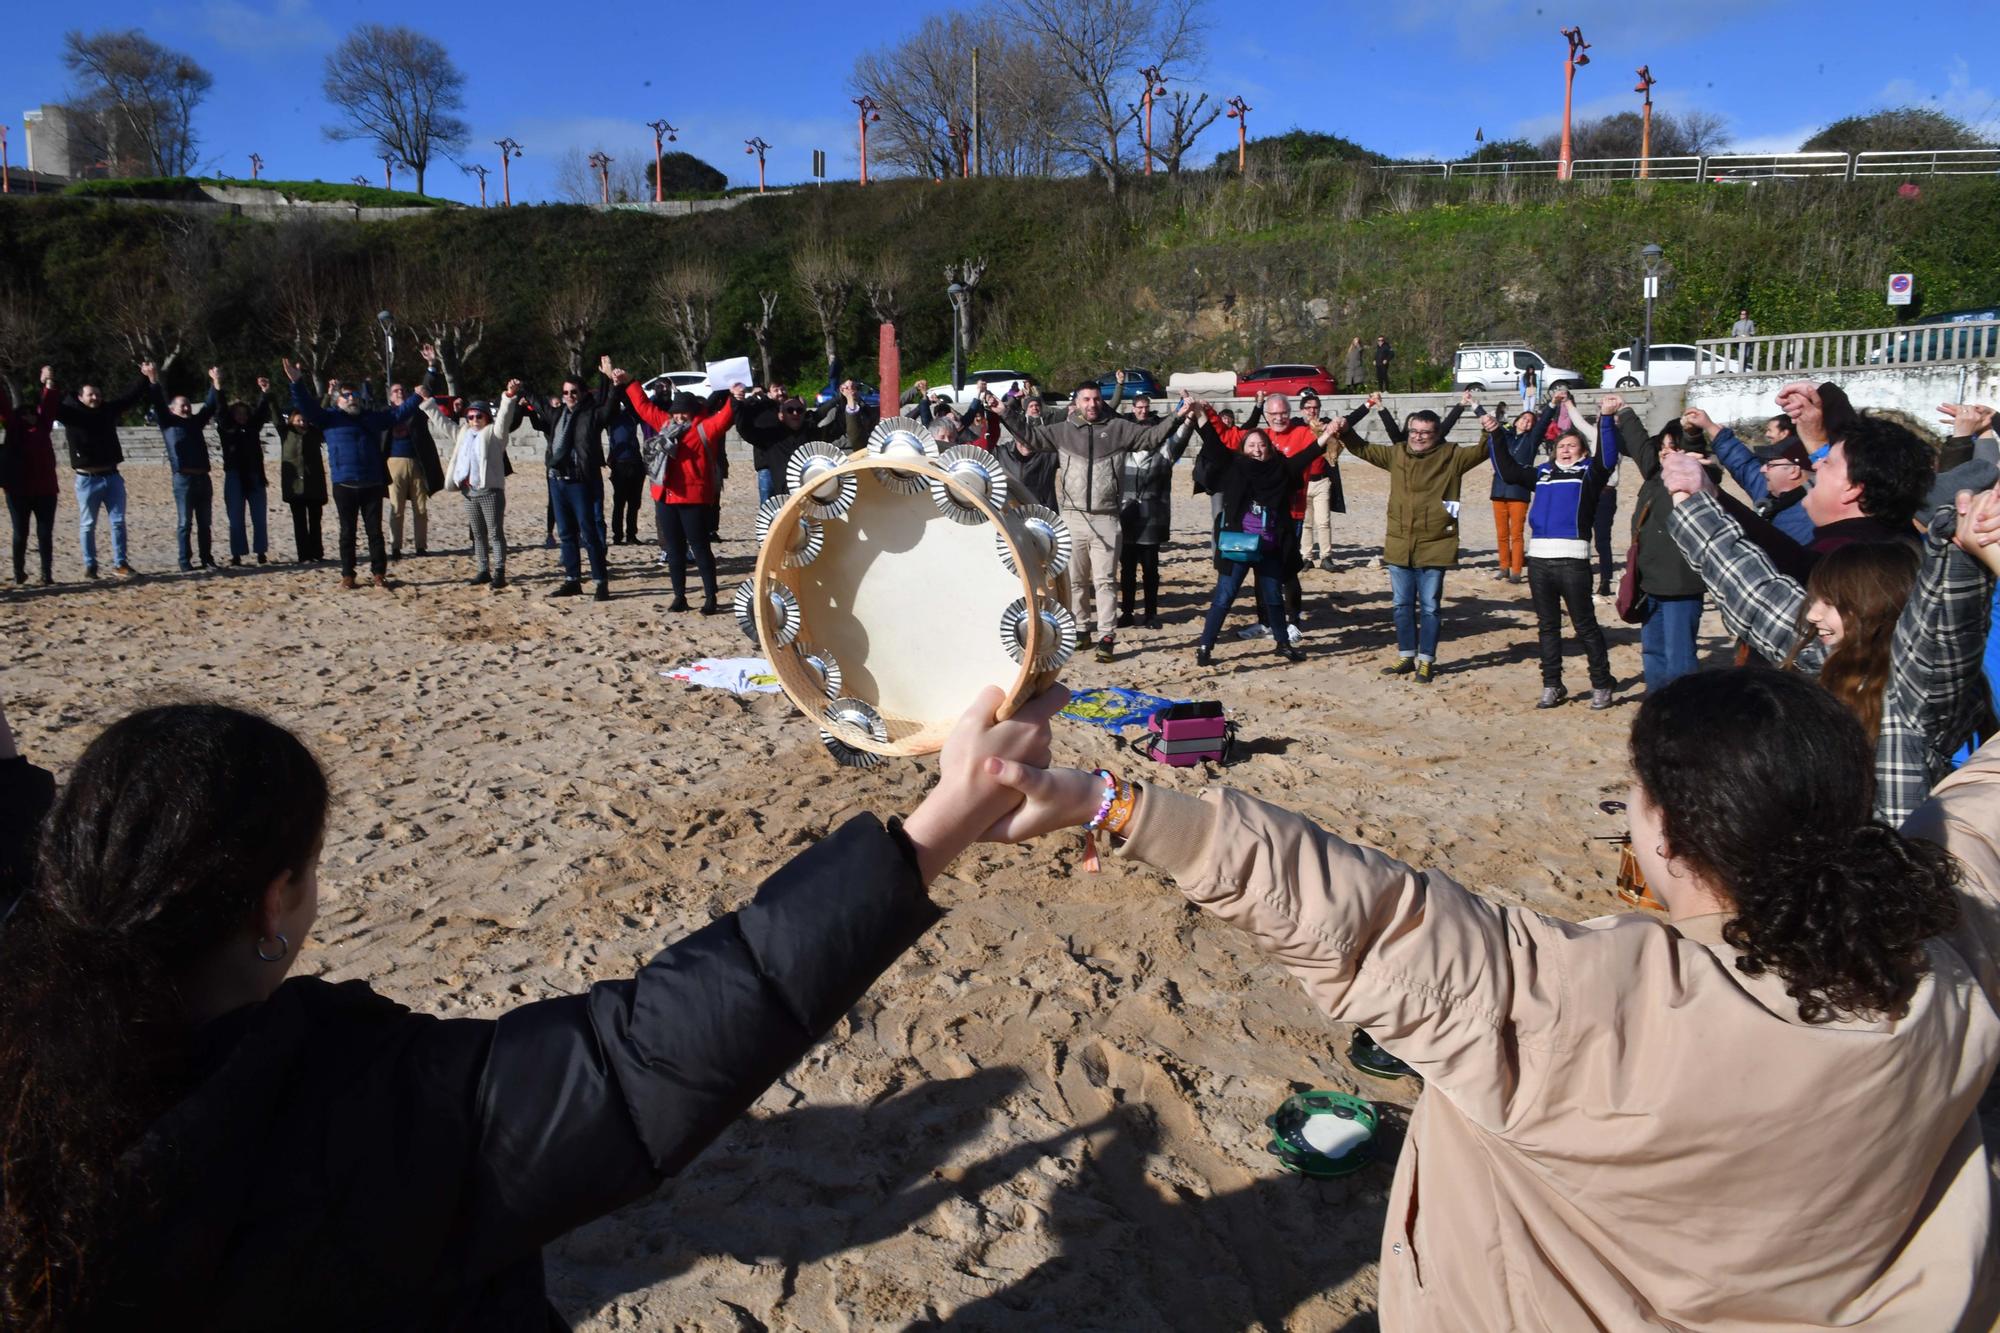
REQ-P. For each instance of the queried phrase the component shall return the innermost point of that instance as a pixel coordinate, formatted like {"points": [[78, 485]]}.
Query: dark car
{"points": [[1136, 383], [870, 395], [1287, 379], [1943, 337]]}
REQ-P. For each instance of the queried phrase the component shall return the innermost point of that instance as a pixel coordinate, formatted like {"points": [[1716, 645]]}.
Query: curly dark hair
{"points": [[173, 823], [1892, 465], [1765, 785]]}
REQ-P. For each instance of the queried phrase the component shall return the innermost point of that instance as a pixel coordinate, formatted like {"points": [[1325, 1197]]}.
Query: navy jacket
{"points": [[353, 439], [1521, 448], [343, 1163], [187, 446]]}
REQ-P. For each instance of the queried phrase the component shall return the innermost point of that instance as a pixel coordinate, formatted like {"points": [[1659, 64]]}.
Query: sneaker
{"points": [[186, 568], [1365, 1055], [381, 581], [569, 588], [1257, 631], [1204, 657], [1517, 577], [1327, 564], [481, 577], [499, 582], [603, 593], [1374, 562], [347, 580], [660, 559], [1552, 695], [1293, 634], [1425, 671], [1403, 667], [123, 571], [1600, 700], [1500, 574], [1104, 649]]}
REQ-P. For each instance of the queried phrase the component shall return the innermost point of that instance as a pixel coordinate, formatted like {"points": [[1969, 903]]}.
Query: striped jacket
{"points": [[1564, 503]]}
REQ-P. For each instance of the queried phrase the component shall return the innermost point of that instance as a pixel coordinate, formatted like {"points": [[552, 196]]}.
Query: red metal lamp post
{"points": [[659, 128], [1645, 86], [509, 150], [868, 110], [1240, 113], [1156, 86], [759, 147], [1576, 56]]}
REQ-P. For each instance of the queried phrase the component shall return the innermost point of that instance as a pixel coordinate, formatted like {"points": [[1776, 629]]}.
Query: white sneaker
{"points": [[1257, 631], [1293, 635]]}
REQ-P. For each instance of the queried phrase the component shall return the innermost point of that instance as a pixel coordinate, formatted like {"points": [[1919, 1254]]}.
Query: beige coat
{"points": [[1619, 1129]]}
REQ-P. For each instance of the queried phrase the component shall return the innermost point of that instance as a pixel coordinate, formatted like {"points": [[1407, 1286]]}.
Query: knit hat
{"points": [[1789, 450], [478, 405], [686, 403]]}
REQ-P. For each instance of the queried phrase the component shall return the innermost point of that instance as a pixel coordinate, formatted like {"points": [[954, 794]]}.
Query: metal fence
{"points": [[1725, 168], [1851, 349]]}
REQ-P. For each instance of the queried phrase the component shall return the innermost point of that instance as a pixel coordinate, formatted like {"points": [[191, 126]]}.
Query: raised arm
{"points": [[1296, 464], [210, 404], [1732, 453], [1742, 579], [1039, 436], [1500, 444], [130, 399], [1640, 447]]}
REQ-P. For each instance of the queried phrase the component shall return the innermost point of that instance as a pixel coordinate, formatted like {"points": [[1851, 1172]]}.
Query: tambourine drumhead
{"points": [[906, 601]]}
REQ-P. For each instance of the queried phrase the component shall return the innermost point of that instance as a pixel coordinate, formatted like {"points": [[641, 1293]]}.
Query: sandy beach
{"points": [[1049, 1113]]}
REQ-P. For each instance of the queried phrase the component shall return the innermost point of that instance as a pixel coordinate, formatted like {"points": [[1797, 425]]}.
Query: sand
{"points": [[1049, 1113]]}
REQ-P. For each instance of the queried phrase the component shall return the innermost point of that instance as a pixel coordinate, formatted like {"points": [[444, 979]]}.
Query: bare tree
{"points": [[574, 306], [825, 275], [885, 283], [760, 328], [686, 295], [575, 180], [446, 306], [21, 328], [969, 272], [135, 101], [1095, 48], [313, 301], [1187, 117], [397, 89]]}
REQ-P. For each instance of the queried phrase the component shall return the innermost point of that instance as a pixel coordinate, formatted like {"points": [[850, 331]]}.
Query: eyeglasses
{"points": [[345, 393], [1780, 462]]}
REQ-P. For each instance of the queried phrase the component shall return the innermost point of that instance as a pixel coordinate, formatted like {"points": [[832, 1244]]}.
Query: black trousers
{"points": [[361, 504], [1554, 585], [685, 527], [42, 509], [1135, 558], [627, 481], [1382, 376], [1607, 562], [305, 530]]}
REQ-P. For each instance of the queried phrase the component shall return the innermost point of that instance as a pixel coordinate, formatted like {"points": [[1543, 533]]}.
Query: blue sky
{"points": [[1409, 78]]}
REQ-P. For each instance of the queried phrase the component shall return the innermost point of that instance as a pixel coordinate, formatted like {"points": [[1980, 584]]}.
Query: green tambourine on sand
{"points": [[1324, 1135]]}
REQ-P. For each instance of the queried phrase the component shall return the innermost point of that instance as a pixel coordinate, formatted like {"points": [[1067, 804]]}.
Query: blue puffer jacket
{"points": [[1522, 449], [353, 439]]}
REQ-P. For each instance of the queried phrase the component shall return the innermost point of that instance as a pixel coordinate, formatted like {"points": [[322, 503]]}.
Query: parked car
{"points": [[1497, 367], [870, 395], [1136, 383], [1934, 338], [1285, 379], [999, 383], [1672, 363], [674, 381]]}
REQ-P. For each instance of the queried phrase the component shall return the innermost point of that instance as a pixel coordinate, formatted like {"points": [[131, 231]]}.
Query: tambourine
{"points": [[894, 584]]}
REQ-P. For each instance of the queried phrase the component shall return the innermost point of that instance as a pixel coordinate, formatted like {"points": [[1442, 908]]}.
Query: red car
{"points": [[1285, 380]]}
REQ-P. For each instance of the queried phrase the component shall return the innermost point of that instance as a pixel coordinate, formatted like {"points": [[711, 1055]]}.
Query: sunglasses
{"points": [[572, 393], [345, 393]]}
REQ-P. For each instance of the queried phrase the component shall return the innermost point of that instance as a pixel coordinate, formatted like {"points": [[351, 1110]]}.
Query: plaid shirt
{"points": [[1932, 699]]}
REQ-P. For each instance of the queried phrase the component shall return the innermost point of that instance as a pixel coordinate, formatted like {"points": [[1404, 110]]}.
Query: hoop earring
{"points": [[284, 947]]}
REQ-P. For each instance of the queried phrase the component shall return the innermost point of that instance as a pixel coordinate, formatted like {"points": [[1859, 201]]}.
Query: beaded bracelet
{"points": [[1110, 796]]}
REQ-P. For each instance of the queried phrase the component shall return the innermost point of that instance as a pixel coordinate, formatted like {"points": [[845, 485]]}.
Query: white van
{"points": [[1497, 367]]}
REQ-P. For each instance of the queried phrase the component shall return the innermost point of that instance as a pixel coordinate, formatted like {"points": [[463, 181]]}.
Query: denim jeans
{"points": [[194, 505], [1607, 560], [767, 484], [1667, 639], [1554, 585], [1270, 595], [238, 501], [92, 492], [579, 510], [1416, 591]]}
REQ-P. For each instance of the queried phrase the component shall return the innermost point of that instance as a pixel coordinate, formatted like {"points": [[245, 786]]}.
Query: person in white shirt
{"points": [[478, 471]]}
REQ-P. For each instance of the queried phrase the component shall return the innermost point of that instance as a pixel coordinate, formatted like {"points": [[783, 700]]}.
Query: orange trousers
{"points": [[1510, 528]]}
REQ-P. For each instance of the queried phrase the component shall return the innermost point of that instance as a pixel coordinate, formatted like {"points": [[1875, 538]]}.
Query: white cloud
{"points": [[1780, 141], [1977, 107], [263, 25]]}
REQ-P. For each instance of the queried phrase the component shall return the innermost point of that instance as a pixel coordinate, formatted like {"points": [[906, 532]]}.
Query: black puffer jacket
{"points": [[772, 443], [92, 432], [243, 446], [347, 1164], [1146, 514]]}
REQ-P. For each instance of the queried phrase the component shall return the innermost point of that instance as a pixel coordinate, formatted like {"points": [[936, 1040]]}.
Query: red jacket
{"points": [[30, 452], [1289, 441], [692, 477]]}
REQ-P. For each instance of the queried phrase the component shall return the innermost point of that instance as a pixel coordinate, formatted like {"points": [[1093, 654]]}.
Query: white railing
{"points": [[1724, 168], [1851, 349]]}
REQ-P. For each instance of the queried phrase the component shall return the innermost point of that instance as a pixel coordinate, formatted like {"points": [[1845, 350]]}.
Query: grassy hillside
{"points": [[189, 188], [1206, 272]]}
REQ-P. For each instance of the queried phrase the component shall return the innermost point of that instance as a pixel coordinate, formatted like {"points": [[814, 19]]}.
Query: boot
{"points": [[603, 593], [1600, 700], [382, 581], [499, 582], [709, 608], [680, 602], [347, 580], [568, 588]]}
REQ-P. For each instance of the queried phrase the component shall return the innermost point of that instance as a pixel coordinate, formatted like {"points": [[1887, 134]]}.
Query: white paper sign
{"points": [[722, 374]]}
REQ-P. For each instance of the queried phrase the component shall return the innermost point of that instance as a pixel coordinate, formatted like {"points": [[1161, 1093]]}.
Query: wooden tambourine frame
{"points": [[903, 596]]}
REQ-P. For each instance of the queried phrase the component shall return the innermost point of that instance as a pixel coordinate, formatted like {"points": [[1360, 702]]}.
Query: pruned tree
{"points": [[968, 272], [825, 275], [446, 306], [21, 328], [155, 299], [311, 310], [397, 89], [885, 283], [135, 101], [686, 294], [1094, 49], [759, 328], [574, 305], [1186, 118]]}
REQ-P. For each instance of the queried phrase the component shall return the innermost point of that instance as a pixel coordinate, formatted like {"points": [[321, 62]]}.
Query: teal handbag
{"points": [[1244, 546]]}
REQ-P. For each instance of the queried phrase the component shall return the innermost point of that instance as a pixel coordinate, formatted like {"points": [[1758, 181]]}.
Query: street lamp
{"points": [[388, 323], [1645, 86], [509, 150], [256, 165], [1651, 255], [759, 147], [1156, 86], [1576, 56], [1240, 113], [600, 162], [960, 294], [659, 128], [868, 109]]}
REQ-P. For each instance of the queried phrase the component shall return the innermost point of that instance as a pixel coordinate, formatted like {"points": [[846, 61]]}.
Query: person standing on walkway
{"points": [[575, 462], [28, 472], [354, 456], [1384, 354], [1351, 366], [90, 426], [182, 426], [1092, 444], [241, 430], [478, 471], [301, 479]]}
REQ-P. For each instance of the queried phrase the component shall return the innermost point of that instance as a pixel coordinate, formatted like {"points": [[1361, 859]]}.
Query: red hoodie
{"points": [[692, 478], [31, 453]]}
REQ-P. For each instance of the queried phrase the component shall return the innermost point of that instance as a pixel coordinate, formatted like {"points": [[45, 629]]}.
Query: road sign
{"points": [[1652, 287], [1900, 287]]}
